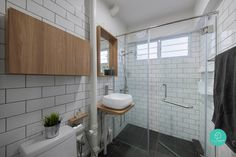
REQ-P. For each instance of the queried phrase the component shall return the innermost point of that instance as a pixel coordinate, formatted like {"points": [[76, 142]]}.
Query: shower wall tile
{"points": [[226, 25]]}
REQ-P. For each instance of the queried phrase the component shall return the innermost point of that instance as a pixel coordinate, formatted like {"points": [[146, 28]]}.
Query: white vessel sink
{"points": [[117, 100]]}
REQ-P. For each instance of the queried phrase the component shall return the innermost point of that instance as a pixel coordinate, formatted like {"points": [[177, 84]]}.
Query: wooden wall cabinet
{"points": [[34, 47]]}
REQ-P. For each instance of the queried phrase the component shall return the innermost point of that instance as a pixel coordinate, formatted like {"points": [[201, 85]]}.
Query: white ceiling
{"points": [[135, 12]]}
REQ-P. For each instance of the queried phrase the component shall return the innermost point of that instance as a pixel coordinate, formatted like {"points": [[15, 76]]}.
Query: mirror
{"points": [[106, 53]]}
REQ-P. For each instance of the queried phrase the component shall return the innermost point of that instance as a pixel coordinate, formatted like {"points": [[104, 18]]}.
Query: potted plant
{"points": [[52, 124]]}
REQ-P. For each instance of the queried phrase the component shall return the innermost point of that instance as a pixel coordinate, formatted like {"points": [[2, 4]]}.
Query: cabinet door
{"points": [[82, 57], [77, 56], [87, 56], [54, 51], [70, 58], [34, 47], [24, 53]]}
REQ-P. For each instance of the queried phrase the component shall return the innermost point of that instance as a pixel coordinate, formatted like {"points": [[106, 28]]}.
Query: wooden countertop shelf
{"points": [[75, 120], [114, 111]]}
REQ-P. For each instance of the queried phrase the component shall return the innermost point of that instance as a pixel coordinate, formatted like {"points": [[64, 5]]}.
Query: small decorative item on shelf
{"points": [[52, 124], [109, 72]]}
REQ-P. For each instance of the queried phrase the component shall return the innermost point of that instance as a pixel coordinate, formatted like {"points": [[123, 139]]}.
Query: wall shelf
{"points": [[211, 68], [201, 88]]}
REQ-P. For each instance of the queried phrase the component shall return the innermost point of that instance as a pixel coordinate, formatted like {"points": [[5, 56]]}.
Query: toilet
{"points": [[64, 145]]}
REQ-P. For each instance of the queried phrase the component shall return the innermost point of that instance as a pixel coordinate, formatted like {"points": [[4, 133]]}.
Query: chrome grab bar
{"points": [[165, 97], [187, 107]]}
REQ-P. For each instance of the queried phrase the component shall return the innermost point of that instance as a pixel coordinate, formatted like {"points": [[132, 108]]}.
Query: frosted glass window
{"points": [[175, 47], [142, 46], [142, 50]]}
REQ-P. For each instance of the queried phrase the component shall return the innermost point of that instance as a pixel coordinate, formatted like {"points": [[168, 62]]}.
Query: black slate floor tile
{"points": [[132, 142]]}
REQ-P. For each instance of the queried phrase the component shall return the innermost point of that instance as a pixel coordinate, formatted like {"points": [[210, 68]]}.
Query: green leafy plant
{"points": [[51, 120]]}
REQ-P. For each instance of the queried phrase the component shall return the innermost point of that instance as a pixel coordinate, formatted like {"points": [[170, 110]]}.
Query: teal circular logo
{"points": [[218, 137]]}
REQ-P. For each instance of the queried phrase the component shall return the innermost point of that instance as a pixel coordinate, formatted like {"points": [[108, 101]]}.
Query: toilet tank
{"points": [[64, 145]]}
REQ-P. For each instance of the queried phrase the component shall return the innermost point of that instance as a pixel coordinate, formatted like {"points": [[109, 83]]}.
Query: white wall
{"points": [[205, 6], [112, 24], [165, 19], [201, 6]]}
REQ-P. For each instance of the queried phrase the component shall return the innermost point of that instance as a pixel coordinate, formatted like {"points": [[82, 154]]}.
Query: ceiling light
{"points": [[114, 10]]}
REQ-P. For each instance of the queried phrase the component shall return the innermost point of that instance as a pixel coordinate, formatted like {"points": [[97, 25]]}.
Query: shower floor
{"points": [[132, 142]]}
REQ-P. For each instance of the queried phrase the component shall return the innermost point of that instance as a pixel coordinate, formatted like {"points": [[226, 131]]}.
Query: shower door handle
{"points": [[166, 101], [165, 88]]}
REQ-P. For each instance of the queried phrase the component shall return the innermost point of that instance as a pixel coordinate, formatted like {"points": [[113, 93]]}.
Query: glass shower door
{"points": [[165, 70], [134, 59], [177, 111], [210, 46]]}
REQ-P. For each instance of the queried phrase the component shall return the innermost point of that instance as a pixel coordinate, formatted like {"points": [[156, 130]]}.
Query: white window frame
{"points": [[173, 37], [148, 50], [158, 40]]}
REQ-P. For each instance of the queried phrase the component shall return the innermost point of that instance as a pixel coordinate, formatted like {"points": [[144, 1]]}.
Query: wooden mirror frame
{"points": [[113, 58]]}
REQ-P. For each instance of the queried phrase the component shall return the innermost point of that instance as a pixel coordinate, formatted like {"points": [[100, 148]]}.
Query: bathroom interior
{"points": [[122, 78]]}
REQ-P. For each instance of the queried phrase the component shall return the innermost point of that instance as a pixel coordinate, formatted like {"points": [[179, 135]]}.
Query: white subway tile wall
{"points": [[36, 81], [2, 125], [53, 91], [25, 99], [227, 25], [12, 109], [37, 104], [2, 151], [12, 136], [20, 94]]}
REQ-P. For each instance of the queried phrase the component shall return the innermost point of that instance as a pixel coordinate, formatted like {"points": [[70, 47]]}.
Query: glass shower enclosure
{"points": [[169, 72]]}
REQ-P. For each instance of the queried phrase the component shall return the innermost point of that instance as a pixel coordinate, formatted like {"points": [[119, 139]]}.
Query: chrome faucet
{"points": [[124, 90], [107, 89]]}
